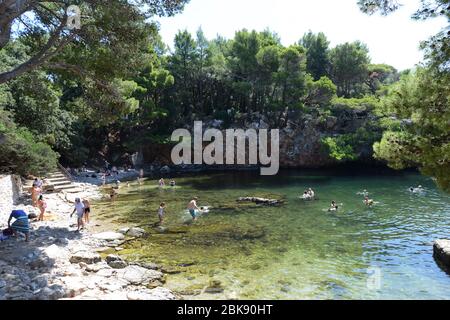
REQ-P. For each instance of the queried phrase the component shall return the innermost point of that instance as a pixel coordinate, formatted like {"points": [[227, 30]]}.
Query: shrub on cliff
{"points": [[21, 152]]}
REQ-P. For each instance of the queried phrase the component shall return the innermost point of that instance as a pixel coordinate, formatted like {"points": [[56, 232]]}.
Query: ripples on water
{"points": [[305, 252]]}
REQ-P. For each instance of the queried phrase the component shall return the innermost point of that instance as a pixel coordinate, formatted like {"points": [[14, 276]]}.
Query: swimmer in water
{"points": [[368, 202], [334, 206], [306, 196], [416, 190]]}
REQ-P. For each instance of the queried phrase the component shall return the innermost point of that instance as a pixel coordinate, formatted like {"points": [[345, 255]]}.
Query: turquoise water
{"points": [[298, 250]]}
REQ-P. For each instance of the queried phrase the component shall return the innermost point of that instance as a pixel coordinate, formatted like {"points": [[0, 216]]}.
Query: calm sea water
{"points": [[298, 250]]}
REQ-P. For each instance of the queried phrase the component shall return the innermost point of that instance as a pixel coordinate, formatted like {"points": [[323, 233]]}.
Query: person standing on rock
{"points": [[21, 224], [87, 210], [42, 205], [79, 209]]}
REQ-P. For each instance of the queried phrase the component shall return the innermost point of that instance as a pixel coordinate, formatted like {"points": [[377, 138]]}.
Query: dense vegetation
{"points": [[113, 86]]}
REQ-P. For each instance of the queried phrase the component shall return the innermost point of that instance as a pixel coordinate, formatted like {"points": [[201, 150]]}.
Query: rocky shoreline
{"points": [[60, 263]]}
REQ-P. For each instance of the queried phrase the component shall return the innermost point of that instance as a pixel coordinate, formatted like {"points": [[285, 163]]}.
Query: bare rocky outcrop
{"points": [[441, 249], [301, 137], [264, 201]]}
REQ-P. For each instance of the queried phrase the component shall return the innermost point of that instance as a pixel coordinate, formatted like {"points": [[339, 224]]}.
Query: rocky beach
{"points": [[60, 263]]}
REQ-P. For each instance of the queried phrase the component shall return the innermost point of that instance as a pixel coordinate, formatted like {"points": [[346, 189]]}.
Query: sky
{"points": [[393, 39]]}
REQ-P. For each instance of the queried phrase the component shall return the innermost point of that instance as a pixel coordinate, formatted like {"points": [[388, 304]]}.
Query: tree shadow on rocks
{"points": [[27, 268]]}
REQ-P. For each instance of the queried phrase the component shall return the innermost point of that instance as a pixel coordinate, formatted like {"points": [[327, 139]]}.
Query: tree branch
{"points": [[39, 58]]}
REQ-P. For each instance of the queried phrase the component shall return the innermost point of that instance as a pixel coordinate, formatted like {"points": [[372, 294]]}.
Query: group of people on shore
{"points": [[83, 210], [21, 223]]}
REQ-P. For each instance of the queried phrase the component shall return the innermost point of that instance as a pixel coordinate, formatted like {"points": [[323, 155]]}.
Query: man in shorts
{"points": [[79, 209], [192, 207]]}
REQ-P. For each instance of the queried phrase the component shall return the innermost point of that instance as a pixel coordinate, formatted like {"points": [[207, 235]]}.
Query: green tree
{"points": [[20, 151], [112, 30], [317, 63], [420, 137], [320, 93], [349, 68], [381, 75]]}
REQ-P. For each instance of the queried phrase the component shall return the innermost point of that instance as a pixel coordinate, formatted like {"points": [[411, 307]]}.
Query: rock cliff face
{"points": [[10, 188], [300, 136]]}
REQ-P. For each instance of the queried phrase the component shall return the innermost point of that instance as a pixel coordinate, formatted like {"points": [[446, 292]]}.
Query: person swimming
{"points": [[306, 196], [416, 190], [368, 202], [161, 183], [172, 183], [334, 206], [311, 193]]}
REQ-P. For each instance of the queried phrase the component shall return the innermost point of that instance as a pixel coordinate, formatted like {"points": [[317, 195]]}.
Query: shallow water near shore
{"points": [[298, 250]]}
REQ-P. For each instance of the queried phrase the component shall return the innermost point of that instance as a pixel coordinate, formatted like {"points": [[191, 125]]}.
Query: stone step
{"points": [[57, 179], [61, 183], [57, 176], [73, 189]]}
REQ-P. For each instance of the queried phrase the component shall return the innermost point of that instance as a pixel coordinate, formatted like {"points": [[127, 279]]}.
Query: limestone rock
{"points": [[153, 294], [140, 276], [41, 262], [88, 257], [55, 252], [109, 236], [441, 250], [123, 230], [115, 262], [257, 200], [74, 286], [136, 232], [215, 286], [97, 267]]}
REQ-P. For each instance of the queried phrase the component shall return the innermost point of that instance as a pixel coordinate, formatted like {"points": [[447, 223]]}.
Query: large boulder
{"points": [[55, 252], [441, 250], [74, 286], [137, 275], [123, 230], [87, 257], [116, 262], [41, 262], [53, 292], [109, 236], [136, 232]]}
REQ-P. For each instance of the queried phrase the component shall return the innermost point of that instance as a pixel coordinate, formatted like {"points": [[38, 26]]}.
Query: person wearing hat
{"points": [[79, 209]]}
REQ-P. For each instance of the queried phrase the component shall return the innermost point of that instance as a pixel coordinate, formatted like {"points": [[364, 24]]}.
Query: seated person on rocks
{"points": [[21, 223]]}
